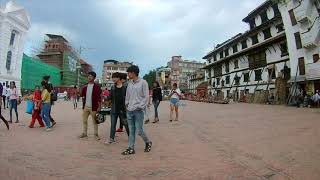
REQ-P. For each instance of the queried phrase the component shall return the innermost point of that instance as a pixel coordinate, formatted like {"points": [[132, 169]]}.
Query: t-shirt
{"points": [[46, 96], [89, 95], [13, 93], [177, 94], [118, 99]]}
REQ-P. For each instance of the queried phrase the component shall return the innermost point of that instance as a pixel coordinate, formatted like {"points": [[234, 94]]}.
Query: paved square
{"points": [[235, 141]]}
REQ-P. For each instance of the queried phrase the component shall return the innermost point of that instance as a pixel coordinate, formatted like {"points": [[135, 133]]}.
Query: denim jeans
{"points": [[114, 118], [156, 105], [45, 114], [135, 122], [14, 105]]}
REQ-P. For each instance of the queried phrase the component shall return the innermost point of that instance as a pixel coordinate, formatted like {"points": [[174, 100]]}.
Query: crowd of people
{"points": [[130, 102]]}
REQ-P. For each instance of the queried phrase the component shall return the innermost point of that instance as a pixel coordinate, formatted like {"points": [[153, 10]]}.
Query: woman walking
{"points": [[37, 108], [46, 105], [174, 101], [74, 97], [156, 99], [13, 99]]}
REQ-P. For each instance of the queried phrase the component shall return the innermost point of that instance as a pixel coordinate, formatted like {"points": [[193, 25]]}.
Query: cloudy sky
{"points": [[147, 32]]}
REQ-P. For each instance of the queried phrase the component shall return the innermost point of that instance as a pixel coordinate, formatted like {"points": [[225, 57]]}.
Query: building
{"points": [[33, 70], [85, 67], [58, 52], [249, 65], [301, 20], [163, 77], [181, 69], [14, 24], [110, 67], [195, 79]]}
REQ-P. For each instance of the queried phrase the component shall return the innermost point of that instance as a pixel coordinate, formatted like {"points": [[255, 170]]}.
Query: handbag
{"points": [[30, 106]]}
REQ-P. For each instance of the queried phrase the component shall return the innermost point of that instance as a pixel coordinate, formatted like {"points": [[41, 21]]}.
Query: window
{"points": [[275, 9], [254, 39], [264, 17], [8, 62], [236, 64], [292, 17], [258, 75], [315, 58], [284, 49], [246, 77], [267, 33], [237, 80], [13, 35], [272, 73], [302, 70], [280, 27], [244, 44], [298, 40], [235, 48], [227, 67], [218, 81], [257, 59], [222, 83], [226, 52], [215, 57], [221, 54], [227, 79], [252, 24]]}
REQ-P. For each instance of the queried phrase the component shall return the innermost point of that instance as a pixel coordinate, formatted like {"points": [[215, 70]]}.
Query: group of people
{"points": [[9, 95]]}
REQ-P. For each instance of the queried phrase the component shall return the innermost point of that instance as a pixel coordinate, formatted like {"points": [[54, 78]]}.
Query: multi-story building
{"points": [[301, 20], [195, 79], [14, 24], [181, 69], [251, 61], [110, 67], [163, 77], [59, 53], [85, 67]]}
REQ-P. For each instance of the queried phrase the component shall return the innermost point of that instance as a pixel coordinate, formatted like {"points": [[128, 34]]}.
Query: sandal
{"points": [[128, 151], [147, 121], [148, 147]]}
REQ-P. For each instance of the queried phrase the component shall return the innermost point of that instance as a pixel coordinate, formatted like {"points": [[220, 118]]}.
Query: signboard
{"points": [[313, 71]]}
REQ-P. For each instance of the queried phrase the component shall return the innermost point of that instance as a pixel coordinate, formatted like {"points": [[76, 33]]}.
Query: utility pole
{"points": [[81, 49]]}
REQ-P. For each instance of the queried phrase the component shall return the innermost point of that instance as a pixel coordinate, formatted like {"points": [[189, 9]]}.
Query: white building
{"points": [[195, 79], [113, 66], [14, 24], [301, 20]]}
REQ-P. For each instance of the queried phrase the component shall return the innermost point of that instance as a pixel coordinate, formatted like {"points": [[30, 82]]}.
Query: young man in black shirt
{"points": [[118, 108]]}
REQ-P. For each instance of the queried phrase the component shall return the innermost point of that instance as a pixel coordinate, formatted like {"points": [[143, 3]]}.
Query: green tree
{"points": [[150, 77]]}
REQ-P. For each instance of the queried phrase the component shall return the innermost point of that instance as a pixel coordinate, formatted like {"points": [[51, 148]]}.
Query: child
{"points": [[36, 111]]}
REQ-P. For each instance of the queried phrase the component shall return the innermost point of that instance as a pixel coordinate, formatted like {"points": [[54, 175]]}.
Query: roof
{"points": [[54, 36], [17, 12], [11, 6], [110, 61], [257, 10]]}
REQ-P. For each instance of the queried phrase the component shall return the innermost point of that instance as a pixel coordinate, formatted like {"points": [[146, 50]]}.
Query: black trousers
{"points": [[4, 101]]}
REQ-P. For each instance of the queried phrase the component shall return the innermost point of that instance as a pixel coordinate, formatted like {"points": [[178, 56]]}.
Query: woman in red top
{"points": [[37, 106]]}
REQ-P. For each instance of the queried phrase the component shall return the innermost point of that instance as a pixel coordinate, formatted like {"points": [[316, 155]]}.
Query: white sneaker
{"points": [[48, 129], [111, 141]]}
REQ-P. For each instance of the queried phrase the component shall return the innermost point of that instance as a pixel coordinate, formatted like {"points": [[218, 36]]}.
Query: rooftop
{"points": [[257, 10], [54, 36]]}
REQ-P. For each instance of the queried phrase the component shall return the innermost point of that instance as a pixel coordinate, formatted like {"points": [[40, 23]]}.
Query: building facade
{"points": [[57, 52], [195, 79], [163, 77], [253, 62], [181, 69], [33, 70], [110, 67], [301, 20], [14, 24]]}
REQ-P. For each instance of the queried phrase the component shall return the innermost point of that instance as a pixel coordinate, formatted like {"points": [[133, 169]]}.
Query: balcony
{"points": [[309, 39], [302, 13]]}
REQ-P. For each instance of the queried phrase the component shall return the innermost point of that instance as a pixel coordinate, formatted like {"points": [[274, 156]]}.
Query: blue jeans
{"points": [[135, 122], [45, 114], [156, 105], [114, 118], [13, 105]]}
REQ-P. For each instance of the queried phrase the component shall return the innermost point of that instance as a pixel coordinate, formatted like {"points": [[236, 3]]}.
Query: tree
{"points": [[150, 77]]}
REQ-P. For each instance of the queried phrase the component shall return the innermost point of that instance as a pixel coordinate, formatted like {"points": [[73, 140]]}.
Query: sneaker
{"points": [[17, 121], [48, 129], [148, 147], [83, 136], [97, 137], [111, 141], [53, 123], [119, 130], [128, 151]]}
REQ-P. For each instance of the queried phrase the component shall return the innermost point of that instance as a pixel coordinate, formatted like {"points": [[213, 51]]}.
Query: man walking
{"points": [[118, 109], [136, 101], [91, 94]]}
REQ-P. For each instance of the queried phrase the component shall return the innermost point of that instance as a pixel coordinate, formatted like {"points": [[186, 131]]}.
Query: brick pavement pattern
{"points": [[220, 142]]}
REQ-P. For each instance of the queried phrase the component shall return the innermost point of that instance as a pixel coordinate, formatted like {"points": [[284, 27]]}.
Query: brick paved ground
{"points": [[223, 142]]}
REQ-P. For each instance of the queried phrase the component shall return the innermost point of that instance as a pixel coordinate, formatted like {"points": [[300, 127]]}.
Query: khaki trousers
{"points": [[86, 112]]}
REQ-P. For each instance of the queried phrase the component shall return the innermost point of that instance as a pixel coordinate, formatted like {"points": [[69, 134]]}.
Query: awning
{"points": [[313, 71]]}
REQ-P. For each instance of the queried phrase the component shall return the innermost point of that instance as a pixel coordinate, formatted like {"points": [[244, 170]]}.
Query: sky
{"points": [[146, 32]]}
